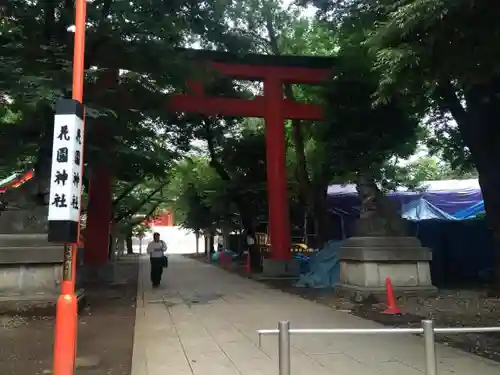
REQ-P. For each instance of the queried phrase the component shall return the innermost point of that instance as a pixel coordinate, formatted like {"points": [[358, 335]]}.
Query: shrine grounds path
{"points": [[203, 320]]}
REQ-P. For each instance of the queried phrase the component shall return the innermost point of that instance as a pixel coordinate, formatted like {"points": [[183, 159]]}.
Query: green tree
{"points": [[428, 168], [128, 129], [441, 54], [226, 185], [279, 30], [353, 128], [421, 54], [190, 193]]}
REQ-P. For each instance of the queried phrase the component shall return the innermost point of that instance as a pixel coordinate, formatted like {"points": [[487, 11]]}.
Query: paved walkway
{"points": [[203, 321]]}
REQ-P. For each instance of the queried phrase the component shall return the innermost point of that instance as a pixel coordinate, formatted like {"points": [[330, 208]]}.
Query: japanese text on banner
{"points": [[65, 185]]}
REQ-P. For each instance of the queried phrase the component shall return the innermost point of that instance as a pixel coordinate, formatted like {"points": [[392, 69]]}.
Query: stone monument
{"points": [[30, 266], [381, 248]]}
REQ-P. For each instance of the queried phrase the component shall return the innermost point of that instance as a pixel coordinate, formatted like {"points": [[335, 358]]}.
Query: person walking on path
{"points": [[156, 250]]}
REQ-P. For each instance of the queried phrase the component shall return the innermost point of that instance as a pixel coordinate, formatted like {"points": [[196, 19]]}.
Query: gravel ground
{"points": [[450, 308], [105, 332]]}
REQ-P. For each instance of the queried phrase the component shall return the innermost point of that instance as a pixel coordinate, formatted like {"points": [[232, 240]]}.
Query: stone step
{"points": [[31, 254], [11, 304], [24, 240]]}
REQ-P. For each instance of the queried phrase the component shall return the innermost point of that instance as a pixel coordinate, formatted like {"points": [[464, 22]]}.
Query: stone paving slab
{"points": [[203, 321]]}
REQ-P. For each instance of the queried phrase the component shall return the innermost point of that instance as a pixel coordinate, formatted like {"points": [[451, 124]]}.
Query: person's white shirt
{"points": [[156, 249]]}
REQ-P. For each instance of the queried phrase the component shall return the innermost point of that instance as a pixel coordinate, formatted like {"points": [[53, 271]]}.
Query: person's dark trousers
{"points": [[156, 270]]}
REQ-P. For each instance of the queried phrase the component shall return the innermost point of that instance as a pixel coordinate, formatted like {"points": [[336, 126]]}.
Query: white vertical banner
{"points": [[65, 177]]}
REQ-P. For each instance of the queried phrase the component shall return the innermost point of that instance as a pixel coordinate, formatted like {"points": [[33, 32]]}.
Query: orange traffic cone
{"points": [[392, 307]]}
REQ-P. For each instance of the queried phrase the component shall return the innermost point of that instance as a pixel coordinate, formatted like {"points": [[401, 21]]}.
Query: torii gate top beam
{"points": [[285, 69], [290, 69]]}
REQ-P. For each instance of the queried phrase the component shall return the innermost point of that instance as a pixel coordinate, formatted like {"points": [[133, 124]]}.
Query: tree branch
{"points": [[152, 211], [246, 220], [134, 210], [214, 162], [448, 100], [125, 192]]}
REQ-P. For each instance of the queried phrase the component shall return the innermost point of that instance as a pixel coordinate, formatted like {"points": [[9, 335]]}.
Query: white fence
{"points": [[428, 330]]}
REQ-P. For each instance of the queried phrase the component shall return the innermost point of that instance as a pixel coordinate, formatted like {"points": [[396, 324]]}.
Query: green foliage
{"points": [[191, 193], [441, 56], [421, 54], [363, 137], [429, 169], [355, 138], [138, 200], [426, 168], [128, 128], [141, 230], [132, 64], [421, 36], [204, 197]]}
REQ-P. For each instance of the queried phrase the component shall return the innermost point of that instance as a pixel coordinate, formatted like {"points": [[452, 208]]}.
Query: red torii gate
{"points": [[274, 71]]}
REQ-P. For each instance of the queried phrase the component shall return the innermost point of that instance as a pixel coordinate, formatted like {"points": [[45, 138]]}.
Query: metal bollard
{"points": [[284, 347], [430, 348]]}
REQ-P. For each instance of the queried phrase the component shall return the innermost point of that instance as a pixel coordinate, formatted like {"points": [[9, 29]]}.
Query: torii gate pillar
{"points": [[279, 222]]}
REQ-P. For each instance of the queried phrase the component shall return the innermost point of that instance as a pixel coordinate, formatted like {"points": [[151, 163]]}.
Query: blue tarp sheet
{"points": [[449, 196], [324, 268], [470, 212], [228, 253], [303, 262], [420, 209]]}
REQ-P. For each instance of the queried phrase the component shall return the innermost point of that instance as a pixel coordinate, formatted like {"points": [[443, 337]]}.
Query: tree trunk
{"points": [[130, 249], [197, 238], [120, 245], [480, 132], [489, 181], [245, 211], [211, 242], [478, 125], [205, 245], [44, 158]]}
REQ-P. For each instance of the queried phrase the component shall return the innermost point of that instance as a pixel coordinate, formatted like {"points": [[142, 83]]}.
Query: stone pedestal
{"points": [[272, 268], [30, 268], [366, 262], [26, 220]]}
